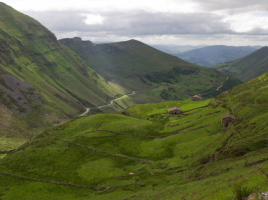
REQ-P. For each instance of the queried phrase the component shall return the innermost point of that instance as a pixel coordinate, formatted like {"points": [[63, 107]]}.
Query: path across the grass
{"points": [[98, 107]]}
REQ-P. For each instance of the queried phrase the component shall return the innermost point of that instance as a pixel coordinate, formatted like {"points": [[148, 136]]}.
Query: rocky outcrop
{"points": [[258, 196], [16, 94], [71, 40]]}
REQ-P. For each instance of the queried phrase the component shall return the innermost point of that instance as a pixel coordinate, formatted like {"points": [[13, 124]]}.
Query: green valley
{"points": [[155, 75], [123, 120], [43, 83], [147, 153]]}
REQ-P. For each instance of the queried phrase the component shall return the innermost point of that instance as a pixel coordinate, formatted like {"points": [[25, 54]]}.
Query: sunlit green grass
{"points": [[83, 166]]}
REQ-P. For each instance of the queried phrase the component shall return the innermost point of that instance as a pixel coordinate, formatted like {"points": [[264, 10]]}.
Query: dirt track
{"points": [[97, 107]]}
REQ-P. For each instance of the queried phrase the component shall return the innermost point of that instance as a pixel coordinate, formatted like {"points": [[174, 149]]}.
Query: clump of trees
{"points": [[170, 76], [164, 94]]}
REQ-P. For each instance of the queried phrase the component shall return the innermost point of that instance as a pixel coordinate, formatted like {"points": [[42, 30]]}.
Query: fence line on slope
{"points": [[105, 152]]}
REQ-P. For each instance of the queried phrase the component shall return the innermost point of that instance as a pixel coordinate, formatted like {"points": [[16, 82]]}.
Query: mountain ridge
{"points": [[248, 67]]}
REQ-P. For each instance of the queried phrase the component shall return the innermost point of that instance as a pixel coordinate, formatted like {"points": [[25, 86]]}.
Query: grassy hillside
{"points": [[248, 67], [248, 102], [137, 66], [216, 54], [145, 167], [147, 154], [41, 81]]}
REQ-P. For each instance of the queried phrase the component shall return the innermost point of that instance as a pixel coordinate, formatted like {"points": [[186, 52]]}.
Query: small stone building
{"points": [[227, 119], [225, 93], [174, 110], [196, 98]]}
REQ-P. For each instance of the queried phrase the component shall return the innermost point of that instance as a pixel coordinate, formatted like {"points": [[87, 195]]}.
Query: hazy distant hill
{"points": [[248, 67], [176, 49], [197, 61], [216, 54]]}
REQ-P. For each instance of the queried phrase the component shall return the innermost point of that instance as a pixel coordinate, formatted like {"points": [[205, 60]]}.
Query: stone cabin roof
{"points": [[174, 108], [224, 93], [227, 115], [196, 96]]}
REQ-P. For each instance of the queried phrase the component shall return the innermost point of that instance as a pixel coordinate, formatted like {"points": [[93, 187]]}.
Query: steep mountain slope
{"points": [[217, 54], [150, 155], [41, 81], [137, 66], [248, 102], [248, 67]]}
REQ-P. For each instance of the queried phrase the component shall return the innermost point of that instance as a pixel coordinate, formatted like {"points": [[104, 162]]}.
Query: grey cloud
{"points": [[237, 5], [59, 21], [257, 31], [141, 24], [134, 23]]}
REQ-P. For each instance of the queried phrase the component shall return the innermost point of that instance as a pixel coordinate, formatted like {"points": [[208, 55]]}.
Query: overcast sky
{"points": [[180, 22]]}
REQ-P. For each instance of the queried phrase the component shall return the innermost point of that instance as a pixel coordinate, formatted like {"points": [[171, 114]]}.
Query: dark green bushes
{"points": [[170, 76], [242, 190]]}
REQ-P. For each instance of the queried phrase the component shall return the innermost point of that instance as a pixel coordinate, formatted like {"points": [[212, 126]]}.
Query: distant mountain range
{"points": [[212, 55], [248, 67], [197, 61]]}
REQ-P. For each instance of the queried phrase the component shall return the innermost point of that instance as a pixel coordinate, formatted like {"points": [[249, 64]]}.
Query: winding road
{"points": [[217, 87], [222, 83], [97, 107]]}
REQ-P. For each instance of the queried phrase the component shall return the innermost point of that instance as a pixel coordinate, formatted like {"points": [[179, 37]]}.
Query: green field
{"points": [[147, 155]]}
